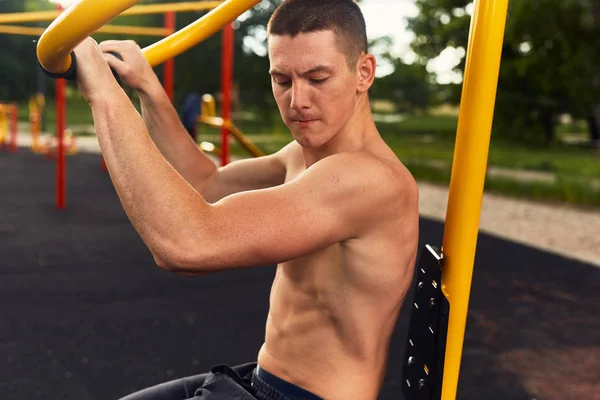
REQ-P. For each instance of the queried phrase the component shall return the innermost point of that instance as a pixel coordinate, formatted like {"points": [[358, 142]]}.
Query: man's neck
{"points": [[352, 137]]}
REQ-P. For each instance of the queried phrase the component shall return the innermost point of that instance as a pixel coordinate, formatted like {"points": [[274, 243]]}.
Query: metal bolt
{"points": [[432, 302]]}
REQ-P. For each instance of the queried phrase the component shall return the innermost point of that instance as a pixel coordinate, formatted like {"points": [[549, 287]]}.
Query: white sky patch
{"points": [[65, 3], [443, 65], [388, 18]]}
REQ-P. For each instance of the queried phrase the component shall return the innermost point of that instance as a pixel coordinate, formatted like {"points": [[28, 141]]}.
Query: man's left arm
{"points": [[335, 199]]}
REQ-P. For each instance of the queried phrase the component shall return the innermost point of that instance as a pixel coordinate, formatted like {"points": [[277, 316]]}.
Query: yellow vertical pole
{"points": [[468, 174], [3, 127]]}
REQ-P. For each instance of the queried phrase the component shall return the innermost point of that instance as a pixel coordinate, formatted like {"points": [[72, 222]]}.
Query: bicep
{"points": [[243, 175], [283, 223]]}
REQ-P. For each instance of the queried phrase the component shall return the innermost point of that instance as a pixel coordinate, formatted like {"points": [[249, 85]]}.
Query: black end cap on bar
{"points": [[70, 74]]}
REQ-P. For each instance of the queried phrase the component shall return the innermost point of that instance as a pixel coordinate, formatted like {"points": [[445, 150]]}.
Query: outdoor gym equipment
{"points": [[36, 112], [443, 284], [9, 114], [82, 15], [55, 47], [208, 117]]}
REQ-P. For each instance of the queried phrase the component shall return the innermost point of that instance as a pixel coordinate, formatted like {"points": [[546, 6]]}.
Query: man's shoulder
{"points": [[385, 182], [367, 168]]}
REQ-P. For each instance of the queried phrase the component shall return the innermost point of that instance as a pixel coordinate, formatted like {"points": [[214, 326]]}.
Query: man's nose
{"points": [[300, 98]]}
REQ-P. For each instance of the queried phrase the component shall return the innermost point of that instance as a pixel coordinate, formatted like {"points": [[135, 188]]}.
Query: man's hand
{"points": [[94, 77], [133, 69]]}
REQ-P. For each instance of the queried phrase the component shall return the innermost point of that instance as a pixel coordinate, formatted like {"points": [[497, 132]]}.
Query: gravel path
{"points": [[558, 229]]}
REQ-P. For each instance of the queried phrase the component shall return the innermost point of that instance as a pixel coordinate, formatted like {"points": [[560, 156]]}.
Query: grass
{"points": [[432, 138], [425, 144], [429, 155], [564, 190]]}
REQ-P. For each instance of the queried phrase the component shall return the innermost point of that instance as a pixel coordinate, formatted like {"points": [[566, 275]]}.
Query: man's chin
{"points": [[308, 141]]}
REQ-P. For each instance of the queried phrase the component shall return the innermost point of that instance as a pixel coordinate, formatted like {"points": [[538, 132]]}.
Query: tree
{"points": [[409, 86], [18, 61], [548, 63]]}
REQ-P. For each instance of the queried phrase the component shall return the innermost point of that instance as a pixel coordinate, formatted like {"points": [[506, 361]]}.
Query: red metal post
{"points": [[169, 68], [226, 80], [60, 149], [14, 120]]}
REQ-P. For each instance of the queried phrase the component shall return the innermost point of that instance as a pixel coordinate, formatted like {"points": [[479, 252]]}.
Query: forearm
{"points": [[160, 204], [172, 139]]}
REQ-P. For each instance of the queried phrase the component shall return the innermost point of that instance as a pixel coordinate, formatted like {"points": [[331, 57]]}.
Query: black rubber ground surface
{"points": [[87, 315]]}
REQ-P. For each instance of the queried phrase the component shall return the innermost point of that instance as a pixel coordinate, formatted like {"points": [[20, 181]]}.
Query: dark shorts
{"points": [[242, 382]]}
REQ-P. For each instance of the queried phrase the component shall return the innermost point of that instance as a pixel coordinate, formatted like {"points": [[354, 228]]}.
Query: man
{"points": [[335, 209], [190, 111]]}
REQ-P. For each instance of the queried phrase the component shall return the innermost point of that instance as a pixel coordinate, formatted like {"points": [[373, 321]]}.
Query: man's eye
{"points": [[318, 81], [282, 83]]}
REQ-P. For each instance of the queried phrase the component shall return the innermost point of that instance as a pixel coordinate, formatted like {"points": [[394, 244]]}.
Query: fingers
{"points": [[87, 43], [115, 62], [119, 46], [88, 46]]}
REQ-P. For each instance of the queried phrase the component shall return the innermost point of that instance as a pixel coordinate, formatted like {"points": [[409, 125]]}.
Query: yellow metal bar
{"points": [[36, 16], [175, 7], [21, 30], [245, 142], [218, 122], [71, 27], [33, 16], [208, 147], [196, 32], [3, 125], [108, 29], [85, 17], [468, 174], [36, 107], [208, 106]]}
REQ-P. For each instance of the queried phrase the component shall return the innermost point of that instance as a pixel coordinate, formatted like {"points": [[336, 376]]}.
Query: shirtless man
{"points": [[335, 209]]}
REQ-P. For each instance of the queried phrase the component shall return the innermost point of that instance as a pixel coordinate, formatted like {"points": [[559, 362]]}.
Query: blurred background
{"points": [[87, 315], [546, 131]]}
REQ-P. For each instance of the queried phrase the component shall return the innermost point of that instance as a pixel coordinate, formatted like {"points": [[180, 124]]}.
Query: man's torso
{"points": [[332, 312]]}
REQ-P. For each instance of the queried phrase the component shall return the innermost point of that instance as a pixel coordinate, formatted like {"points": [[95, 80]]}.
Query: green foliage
{"points": [[18, 62], [408, 86], [549, 64]]}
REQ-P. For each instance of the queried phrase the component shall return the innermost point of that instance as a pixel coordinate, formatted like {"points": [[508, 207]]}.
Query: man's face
{"points": [[315, 90]]}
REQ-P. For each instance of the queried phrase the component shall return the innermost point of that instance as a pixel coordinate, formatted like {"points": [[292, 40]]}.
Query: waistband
{"points": [[274, 388]]}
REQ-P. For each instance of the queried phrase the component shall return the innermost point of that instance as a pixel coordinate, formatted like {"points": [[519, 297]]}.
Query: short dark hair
{"points": [[343, 17]]}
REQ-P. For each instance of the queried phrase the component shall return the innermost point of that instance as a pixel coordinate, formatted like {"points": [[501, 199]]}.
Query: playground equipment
{"points": [[59, 62], [36, 112], [48, 145], [443, 286], [9, 114], [208, 117], [168, 10]]}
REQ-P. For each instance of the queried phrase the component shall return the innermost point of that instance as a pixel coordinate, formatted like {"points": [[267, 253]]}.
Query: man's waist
{"points": [[323, 374]]}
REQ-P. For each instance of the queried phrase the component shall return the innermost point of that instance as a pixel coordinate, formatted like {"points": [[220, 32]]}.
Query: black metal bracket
{"points": [[426, 344]]}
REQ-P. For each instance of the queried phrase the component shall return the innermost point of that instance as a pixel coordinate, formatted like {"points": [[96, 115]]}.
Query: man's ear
{"points": [[366, 68]]}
